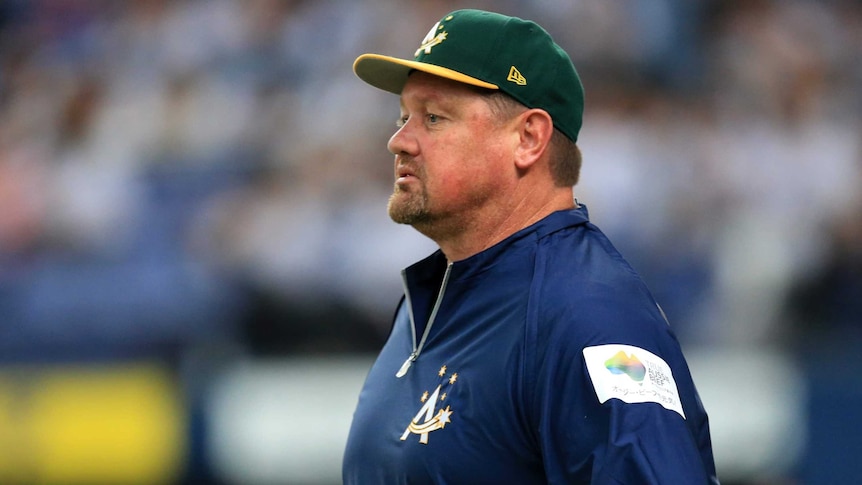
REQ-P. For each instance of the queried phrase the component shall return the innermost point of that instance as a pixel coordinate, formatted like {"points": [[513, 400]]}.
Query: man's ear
{"points": [[535, 129]]}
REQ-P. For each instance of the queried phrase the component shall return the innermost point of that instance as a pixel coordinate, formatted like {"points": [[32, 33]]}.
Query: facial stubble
{"points": [[409, 206]]}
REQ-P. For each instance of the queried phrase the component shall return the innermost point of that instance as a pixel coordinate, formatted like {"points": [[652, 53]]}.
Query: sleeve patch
{"points": [[631, 374]]}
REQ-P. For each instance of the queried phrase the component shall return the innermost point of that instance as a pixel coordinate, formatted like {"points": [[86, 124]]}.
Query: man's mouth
{"points": [[403, 174]]}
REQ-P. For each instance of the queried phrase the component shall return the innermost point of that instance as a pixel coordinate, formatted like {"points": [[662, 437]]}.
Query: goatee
{"points": [[408, 207]]}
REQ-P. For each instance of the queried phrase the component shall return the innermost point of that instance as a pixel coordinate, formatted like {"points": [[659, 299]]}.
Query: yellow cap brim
{"points": [[390, 73]]}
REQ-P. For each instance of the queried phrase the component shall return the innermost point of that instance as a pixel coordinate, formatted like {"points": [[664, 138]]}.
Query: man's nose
{"points": [[403, 141]]}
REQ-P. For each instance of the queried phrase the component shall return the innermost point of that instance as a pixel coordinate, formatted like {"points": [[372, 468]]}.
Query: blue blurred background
{"points": [[196, 265]]}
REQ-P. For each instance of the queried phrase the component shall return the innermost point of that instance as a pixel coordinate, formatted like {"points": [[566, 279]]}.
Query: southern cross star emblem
{"points": [[429, 44], [432, 38], [429, 418]]}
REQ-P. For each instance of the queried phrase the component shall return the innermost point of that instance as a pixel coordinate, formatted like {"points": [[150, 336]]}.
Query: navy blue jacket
{"points": [[543, 359]]}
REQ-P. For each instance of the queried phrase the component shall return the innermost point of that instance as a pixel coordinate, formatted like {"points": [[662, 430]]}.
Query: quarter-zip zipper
{"points": [[417, 347]]}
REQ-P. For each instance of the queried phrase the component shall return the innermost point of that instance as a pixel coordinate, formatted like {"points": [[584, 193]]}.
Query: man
{"points": [[525, 350]]}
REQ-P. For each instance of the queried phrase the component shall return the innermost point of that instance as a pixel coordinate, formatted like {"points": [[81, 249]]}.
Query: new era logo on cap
{"points": [[516, 77]]}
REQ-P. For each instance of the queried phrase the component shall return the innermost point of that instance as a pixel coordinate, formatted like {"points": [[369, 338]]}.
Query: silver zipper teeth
{"points": [[417, 349]]}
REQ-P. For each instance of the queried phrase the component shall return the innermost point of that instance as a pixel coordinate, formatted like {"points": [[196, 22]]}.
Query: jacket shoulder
{"points": [[585, 290]]}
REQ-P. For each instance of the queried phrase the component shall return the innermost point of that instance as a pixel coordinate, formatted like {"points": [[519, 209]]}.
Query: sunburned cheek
{"points": [[466, 189]]}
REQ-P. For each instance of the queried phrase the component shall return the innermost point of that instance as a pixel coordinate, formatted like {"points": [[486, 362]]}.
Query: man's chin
{"points": [[403, 212], [409, 218]]}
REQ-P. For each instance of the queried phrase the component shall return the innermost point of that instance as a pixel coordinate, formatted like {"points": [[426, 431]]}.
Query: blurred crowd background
{"points": [[195, 189]]}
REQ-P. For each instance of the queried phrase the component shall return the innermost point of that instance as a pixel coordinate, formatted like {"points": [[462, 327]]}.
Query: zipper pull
{"points": [[406, 365]]}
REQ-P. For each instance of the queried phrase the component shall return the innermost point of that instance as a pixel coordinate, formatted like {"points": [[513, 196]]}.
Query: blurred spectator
{"points": [[824, 307]]}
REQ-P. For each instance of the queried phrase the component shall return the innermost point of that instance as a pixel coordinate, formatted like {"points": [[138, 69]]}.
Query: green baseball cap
{"points": [[492, 51]]}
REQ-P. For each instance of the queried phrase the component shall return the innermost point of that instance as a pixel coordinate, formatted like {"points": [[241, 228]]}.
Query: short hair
{"points": [[565, 156], [565, 161]]}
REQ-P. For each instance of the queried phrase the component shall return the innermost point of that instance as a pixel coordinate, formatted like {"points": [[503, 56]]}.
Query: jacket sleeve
{"points": [[615, 417], [584, 440]]}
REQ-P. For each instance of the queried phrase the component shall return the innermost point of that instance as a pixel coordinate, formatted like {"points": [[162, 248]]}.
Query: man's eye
{"points": [[432, 118], [401, 121]]}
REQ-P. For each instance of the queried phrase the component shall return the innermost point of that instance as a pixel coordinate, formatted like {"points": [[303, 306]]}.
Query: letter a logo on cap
{"points": [[431, 40], [516, 77]]}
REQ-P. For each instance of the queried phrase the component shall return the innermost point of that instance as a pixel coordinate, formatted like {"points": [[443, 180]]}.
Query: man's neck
{"points": [[481, 231]]}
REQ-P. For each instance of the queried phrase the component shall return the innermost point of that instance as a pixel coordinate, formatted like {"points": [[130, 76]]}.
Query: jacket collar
{"points": [[430, 269]]}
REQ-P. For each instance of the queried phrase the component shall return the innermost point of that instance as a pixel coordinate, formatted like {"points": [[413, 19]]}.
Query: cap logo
{"points": [[431, 39], [516, 77]]}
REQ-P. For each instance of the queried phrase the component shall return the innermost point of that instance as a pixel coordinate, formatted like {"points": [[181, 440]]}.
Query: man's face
{"points": [[450, 156]]}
